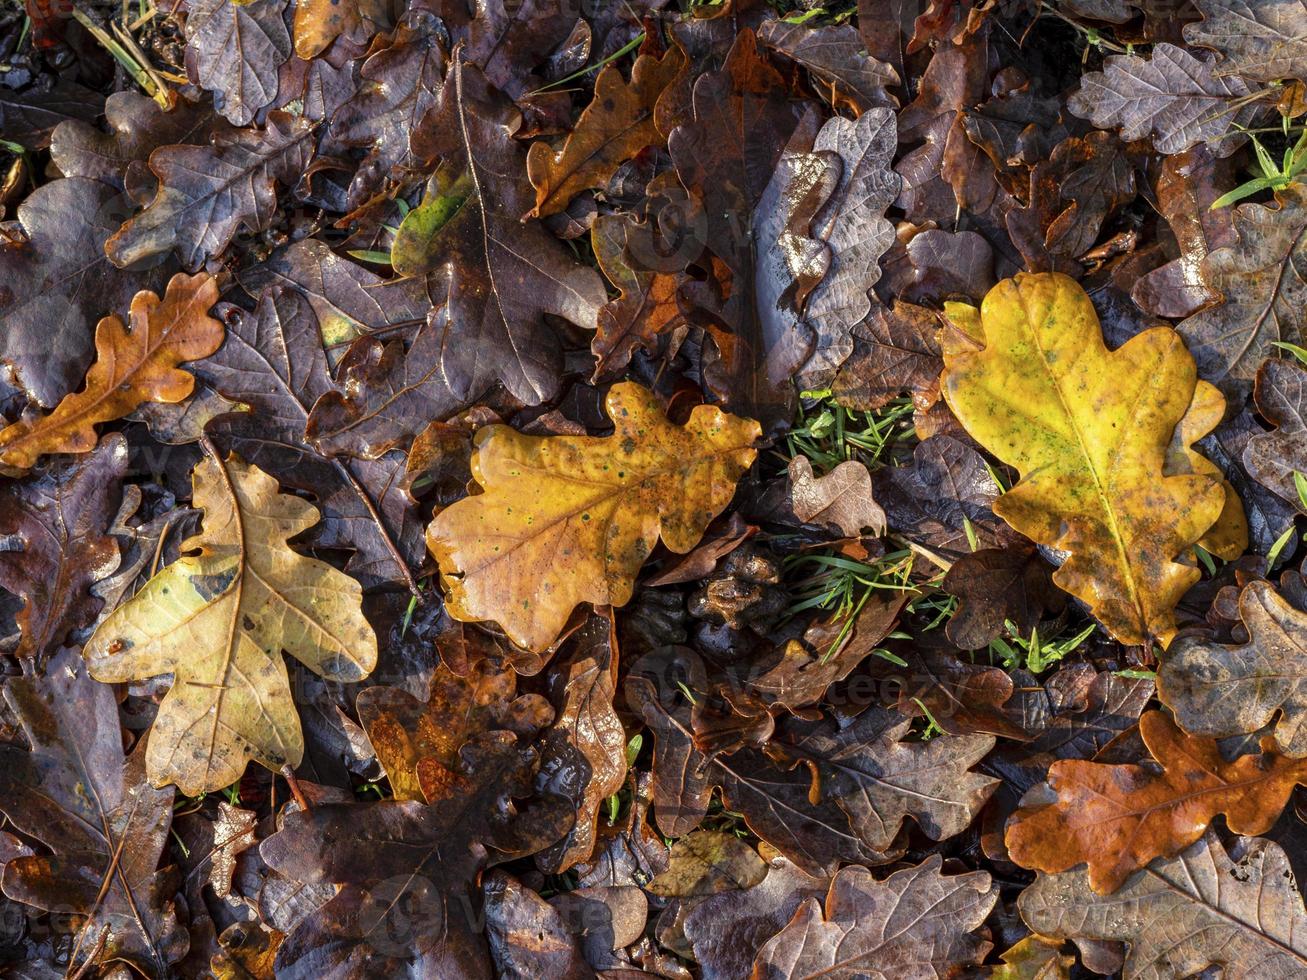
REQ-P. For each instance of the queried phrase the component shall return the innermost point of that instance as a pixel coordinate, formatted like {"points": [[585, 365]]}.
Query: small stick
{"points": [[295, 791]]}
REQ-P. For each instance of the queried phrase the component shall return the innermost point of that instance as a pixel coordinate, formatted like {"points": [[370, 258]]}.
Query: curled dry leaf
{"points": [[1117, 819], [917, 924], [218, 618], [841, 499], [569, 519], [1088, 429], [1222, 689], [131, 367], [1240, 911]]}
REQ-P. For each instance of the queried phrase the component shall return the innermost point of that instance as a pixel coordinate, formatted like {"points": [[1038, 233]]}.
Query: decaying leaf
{"points": [[570, 519], [57, 524], [206, 193], [1119, 818], [59, 282], [1088, 429], [407, 871], [132, 366], [1272, 458], [501, 275], [238, 48], [218, 620], [918, 922], [1260, 40], [1241, 911], [1220, 689], [1263, 290], [106, 827], [1173, 96]]}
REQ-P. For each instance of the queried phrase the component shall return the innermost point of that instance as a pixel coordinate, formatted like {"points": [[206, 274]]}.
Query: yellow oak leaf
{"points": [[569, 519], [1090, 431], [218, 619], [131, 367]]}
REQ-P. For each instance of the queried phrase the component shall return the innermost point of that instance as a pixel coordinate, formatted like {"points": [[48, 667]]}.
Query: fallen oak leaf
{"points": [[59, 282], [1275, 458], [1264, 294], [842, 498], [1241, 911], [133, 366], [56, 526], [218, 619], [1118, 818], [916, 924], [616, 125], [206, 193], [502, 276], [1175, 97], [1260, 40], [1088, 429], [106, 827], [1219, 689], [319, 22], [570, 519], [408, 901], [237, 49]]}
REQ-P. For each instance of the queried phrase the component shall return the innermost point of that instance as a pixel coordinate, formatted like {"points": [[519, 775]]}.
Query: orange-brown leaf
{"points": [[1119, 818], [617, 124], [131, 367]]}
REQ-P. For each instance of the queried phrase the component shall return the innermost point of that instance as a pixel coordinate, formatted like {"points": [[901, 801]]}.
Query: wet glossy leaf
{"points": [[501, 276], [105, 826], [57, 523]]}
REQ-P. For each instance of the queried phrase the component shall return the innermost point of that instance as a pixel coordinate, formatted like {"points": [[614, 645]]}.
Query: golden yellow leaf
{"points": [[219, 618], [570, 519], [1089, 431], [131, 367]]}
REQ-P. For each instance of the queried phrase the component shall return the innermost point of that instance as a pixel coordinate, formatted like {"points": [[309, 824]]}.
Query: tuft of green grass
{"points": [[829, 434], [1034, 653]]}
